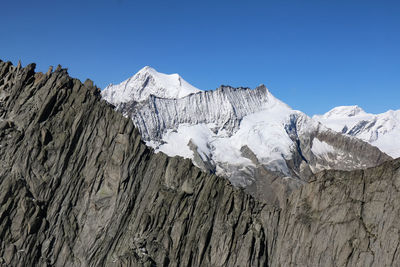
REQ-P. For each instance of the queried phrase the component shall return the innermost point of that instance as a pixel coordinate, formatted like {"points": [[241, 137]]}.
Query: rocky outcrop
{"points": [[80, 188], [342, 219]]}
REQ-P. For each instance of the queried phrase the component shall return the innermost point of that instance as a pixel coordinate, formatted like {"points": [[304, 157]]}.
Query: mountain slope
{"points": [[248, 136], [380, 130], [80, 188]]}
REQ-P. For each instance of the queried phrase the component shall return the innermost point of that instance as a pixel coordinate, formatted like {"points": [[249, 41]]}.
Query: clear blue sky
{"points": [[313, 55]]}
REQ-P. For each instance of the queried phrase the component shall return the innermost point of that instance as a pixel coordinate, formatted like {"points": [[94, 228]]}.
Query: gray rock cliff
{"points": [[78, 187]]}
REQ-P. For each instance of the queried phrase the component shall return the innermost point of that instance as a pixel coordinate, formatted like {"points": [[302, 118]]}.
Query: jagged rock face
{"points": [[80, 188], [247, 136], [342, 219]]}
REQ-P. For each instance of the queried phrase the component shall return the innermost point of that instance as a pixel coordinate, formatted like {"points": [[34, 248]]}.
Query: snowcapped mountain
{"points": [[148, 82], [247, 135], [381, 130]]}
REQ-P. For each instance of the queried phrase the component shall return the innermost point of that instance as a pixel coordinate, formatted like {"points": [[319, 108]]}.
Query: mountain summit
{"points": [[344, 111], [148, 82]]}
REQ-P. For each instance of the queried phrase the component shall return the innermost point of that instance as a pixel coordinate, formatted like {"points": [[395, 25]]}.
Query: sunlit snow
{"points": [[381, 130], [145, 83]]}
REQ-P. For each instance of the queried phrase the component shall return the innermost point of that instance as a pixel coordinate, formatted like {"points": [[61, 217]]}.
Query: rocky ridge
{"points": [[80, 188]]}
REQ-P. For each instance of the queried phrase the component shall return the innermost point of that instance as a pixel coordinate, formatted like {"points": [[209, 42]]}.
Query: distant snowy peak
{"points": [[145, 83], [344, 111], [381, 130]]}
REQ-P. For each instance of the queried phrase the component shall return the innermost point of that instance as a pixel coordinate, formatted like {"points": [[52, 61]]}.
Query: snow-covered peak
{"points": [[147, 69], [381, 130], [344, 111], [148, 82]]}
